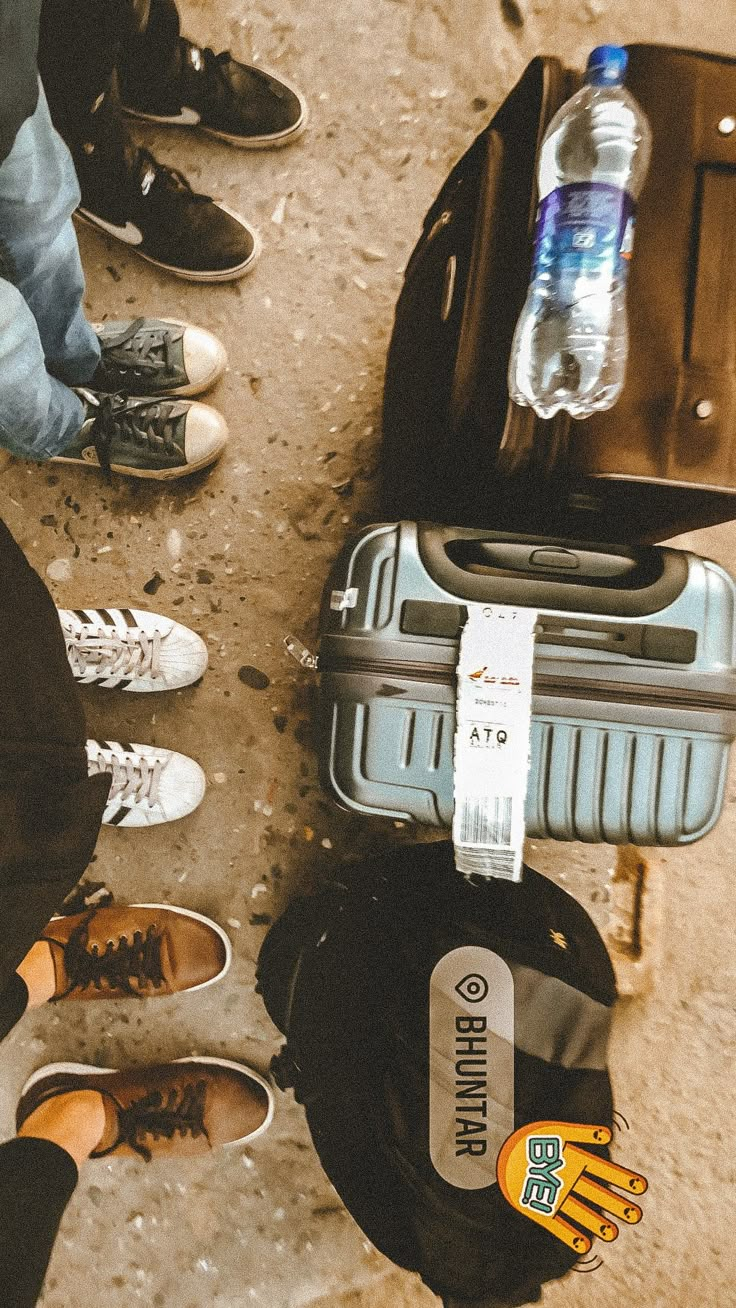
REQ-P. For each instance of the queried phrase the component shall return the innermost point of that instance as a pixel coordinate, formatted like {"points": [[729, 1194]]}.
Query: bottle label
{"points": [[585, 228]]}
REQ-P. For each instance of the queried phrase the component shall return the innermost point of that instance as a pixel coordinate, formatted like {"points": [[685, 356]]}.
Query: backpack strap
{"points": [[314, 981]]}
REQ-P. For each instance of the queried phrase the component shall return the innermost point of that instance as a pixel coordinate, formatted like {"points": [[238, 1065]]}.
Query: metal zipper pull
{"points": [[444, 218], [301, 654]]}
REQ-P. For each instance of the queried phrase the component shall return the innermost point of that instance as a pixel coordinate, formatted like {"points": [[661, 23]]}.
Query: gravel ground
{"points": [[397, 89]]}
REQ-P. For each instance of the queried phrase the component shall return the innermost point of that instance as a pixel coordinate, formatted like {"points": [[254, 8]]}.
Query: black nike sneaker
{"points": [[155, 438], [153, 210], [223, 97]]}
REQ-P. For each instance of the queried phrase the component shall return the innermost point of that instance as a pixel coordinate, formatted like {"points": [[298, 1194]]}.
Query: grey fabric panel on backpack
{"points": [[558, 1023]]}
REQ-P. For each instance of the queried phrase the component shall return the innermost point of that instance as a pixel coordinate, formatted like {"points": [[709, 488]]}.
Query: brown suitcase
{"points": [[663, 458]]}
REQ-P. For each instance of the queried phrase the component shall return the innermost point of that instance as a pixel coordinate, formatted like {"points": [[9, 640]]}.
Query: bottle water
{"points": [[571, 340]]}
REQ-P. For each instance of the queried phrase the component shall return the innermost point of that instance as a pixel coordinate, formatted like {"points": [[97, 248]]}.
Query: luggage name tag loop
{"points": [[340, 600]]}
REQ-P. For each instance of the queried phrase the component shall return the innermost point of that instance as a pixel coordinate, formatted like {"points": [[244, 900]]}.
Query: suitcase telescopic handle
{"points": [[637, 640], [576, 577]]}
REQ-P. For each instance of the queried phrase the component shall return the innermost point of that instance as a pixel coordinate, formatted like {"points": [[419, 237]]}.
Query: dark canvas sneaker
{"points": [[157, 356], [135, 951], [153, 210], [150, 785], [130, 649], [145, 437], [174, 1110], [224, 98]]}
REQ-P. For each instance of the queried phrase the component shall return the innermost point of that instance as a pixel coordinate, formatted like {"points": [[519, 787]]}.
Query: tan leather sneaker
{"points": [[174, 1110], [135, 950]]}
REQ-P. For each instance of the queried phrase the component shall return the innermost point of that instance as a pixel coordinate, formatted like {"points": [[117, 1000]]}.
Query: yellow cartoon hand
{"points": [[545, 1174]]}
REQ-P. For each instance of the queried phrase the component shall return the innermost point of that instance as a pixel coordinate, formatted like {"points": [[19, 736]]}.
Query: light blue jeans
{"points": [[46, 344]]}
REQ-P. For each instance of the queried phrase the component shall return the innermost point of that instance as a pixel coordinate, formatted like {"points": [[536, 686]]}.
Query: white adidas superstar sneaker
{"points": [[130, 649], [149, 785]]}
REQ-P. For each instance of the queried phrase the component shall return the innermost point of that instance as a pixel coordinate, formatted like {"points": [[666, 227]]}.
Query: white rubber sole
{"points": [[191, 388], [272, 142], [198, 917], [160, 474], [84, 1069], [216, 275]]}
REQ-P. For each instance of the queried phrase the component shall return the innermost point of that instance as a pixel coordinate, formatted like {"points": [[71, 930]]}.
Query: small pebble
{"points": [[174, 544], [153, 585], [219, 777], [278, 214], [59, 570], [513, 13], [253, 677], [234, 923]]}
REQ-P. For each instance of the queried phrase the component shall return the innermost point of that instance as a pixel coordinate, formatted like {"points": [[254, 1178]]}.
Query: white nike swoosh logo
{"points": [[131, 234], [188, 117]]}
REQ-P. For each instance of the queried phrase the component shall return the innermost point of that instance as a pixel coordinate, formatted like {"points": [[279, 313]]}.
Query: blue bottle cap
{"points": [[606, 66]]}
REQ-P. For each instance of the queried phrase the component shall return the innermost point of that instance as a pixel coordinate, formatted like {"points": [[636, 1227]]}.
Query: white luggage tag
{"points": [[492, 739]]}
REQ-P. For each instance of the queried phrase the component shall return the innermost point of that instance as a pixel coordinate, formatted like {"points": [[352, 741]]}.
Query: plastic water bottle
{"points": [[571, 340]]}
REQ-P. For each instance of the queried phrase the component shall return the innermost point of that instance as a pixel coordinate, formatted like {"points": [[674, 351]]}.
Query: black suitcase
{"points": [[664, 458]]}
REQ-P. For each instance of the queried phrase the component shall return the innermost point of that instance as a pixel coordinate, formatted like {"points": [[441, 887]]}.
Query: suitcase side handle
{"points": [[499, 568]]}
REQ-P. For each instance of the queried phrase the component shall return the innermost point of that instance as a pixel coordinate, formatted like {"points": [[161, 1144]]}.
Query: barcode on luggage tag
{"points": [[486, 820]]}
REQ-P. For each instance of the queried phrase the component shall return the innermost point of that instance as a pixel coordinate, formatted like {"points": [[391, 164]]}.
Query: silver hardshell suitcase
{"points": [[634, 690]]}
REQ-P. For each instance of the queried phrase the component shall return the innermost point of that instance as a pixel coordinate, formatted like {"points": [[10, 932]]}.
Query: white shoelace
{"points": [[99, 652], [135, 779]]}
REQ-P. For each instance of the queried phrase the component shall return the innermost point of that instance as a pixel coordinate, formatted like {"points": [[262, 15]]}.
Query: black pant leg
{"points": [[13, 1004], [80, 41], [149, 55], [50, 809], [37, 1180]]}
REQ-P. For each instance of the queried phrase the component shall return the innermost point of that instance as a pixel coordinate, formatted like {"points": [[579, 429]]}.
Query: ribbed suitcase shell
{"points": [[611, 766]]}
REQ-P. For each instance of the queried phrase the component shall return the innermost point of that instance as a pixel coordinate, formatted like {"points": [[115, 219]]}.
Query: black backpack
{"points": [[346, 975]]}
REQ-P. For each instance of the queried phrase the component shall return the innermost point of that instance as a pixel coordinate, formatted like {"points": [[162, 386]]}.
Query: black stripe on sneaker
{"points": [[129, 617], [126, 746], [118, 818], [83, 617], [107, 617]]}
